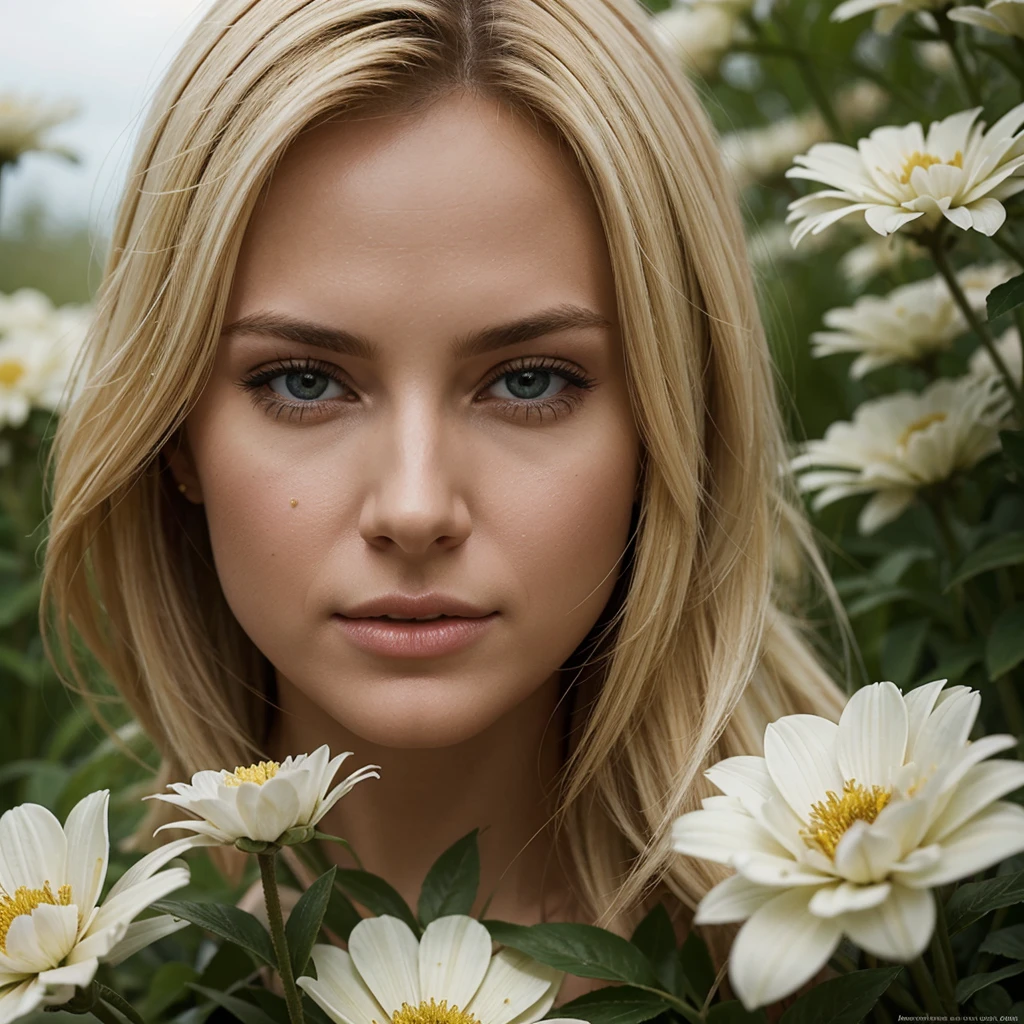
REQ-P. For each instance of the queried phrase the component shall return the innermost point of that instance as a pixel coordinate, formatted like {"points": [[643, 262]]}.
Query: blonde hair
{"points": [[697, 656]]}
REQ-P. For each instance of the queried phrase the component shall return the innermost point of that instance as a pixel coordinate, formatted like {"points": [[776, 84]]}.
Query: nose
{"points": [[413, 500]]}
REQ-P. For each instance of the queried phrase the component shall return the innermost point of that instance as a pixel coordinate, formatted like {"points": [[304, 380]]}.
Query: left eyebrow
{"points": [[534, 325]]}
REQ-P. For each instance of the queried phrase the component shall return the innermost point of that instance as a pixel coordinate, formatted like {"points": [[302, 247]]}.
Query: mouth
{"points": [[412, 638]]}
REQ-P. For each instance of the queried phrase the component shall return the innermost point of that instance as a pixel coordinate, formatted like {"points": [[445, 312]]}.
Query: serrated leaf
{"points": [[1006, 550], [844, 1000], [227, 922], [581, 949], [452, 881], [622, 1004], [973, 900], [303, 924], [1004, 649], [376, 895], [733, 1012], [1005, 942], [966, 987], [1005, 297], [244, 1011]]}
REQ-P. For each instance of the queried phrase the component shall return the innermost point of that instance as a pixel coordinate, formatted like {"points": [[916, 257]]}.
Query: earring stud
{"points": [[183, 488], [294, 502]]}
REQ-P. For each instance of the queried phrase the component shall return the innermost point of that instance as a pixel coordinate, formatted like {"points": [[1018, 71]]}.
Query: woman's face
{"points": [[368, 431]]}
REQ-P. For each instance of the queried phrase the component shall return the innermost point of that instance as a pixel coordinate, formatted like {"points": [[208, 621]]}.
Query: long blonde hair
{"points": [[697, 655]]}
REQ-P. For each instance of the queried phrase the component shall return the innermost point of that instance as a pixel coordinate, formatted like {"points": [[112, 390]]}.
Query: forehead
{"points": [[464, 194]]}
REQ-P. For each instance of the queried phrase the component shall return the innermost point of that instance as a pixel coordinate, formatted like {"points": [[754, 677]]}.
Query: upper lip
{"points": [[416, 606]]}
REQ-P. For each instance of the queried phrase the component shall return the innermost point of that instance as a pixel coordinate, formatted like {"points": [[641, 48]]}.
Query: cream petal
{"points": [[513, 983], [745, 777], [719, 835], [148, 865], [988, 215], [779, 871], [919, 703], [800, 754], [366, 772], [977, 751], [922, 857], [140, 934], [904, 821], [864, 855], [88, 849], [338, 988], [734, 899], [98, 943], [19, 1000], [454, 954], [883, 508], [33, 849], [833, 900], [980, 785], [872, 735], [946, 729], [128, 903], [897, 929], [536, 1010], [780, 948], [783, 825], [44, 937], [204, 828], [267, 810], [386, 954], [79, 974]]}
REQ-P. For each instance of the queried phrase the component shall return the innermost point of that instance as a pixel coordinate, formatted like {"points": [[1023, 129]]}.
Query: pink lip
{"points": [[414, 639]]}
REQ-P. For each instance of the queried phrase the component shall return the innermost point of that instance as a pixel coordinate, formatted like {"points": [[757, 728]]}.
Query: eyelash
{"points": [[553, 407]]}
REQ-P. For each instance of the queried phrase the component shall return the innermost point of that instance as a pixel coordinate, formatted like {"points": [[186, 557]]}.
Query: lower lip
{"points": [[414, 639]]}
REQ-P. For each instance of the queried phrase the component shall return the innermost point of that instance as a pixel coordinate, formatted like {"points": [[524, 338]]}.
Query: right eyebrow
{"points": [[534, 325]]}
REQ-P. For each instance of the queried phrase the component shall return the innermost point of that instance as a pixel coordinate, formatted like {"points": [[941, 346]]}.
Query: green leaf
{"points": [[620, 1005], [993, 1000], [733, 1012], [340, 916], [1005, 942], [1007, 550], [972, 900], [966, 987], [1005, 646], [901, 648], [227, 922], [581, 949], [888, 595], [656, 939], [15, 605], [1013, 448], [1004, 297], [228, 966], [452, 882], [303, 925], [238, 1008], [847, 999], [166, 989], [696, 964], [376, 895]]}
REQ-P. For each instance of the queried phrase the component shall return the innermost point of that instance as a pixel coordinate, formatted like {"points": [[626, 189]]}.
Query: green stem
{"points": [[926, 987], [942, 958], [683, 1009], [108, 995], [942, 263], [268, 872]]}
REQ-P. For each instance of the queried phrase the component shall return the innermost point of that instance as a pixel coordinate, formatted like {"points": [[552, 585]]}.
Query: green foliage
{"points": [[227, 922], [619, 1005], [452, 882], [844, 1000], [305, 919]]}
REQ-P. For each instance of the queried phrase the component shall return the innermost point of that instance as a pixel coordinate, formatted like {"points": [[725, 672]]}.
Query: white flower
{"points": [[902, 442], [52, 933], [1009, 348], [769, 245], [876, 255], [449, 975], [887, 12], [24, 124], [844, 830], [912, 321], [700, 32], [899, 175], [265, 800], [1003, 16]]}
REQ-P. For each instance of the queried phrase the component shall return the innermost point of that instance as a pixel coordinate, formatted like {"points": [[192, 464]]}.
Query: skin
{"points": [[413, 231]]}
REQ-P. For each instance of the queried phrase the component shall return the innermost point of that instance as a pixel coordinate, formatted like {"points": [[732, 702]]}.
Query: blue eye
{"points": [[304, 385]]}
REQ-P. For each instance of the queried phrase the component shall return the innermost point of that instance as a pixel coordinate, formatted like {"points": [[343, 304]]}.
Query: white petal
{"points": [[20, 1000], [79, 974], [366, 772], [719, 835], [338, 989], [980, 785], [386, 954], [140, 934], [898, 929], [919, 702], [833, 900], [767, 870], [43, 938], [147, 866], [88, 849], [799, 751], [734, 899], [128, 903], [513, 983], [864, 855], [904, 821], [204, 828], [782, 946], [268, 810], [33, 849], [977, 751], [745, 777], [454, 954], [872, 735], [988, 215], [784, 826], [946, 729]]}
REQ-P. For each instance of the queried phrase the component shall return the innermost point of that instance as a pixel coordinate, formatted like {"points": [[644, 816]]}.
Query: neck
{"points": [[501, 781]]}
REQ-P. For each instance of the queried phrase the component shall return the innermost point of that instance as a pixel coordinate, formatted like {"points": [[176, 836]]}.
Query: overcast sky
{"points": [[108, 56]]}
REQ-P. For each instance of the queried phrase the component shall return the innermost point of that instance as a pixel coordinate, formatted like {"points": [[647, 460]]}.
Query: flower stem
{"points": [[926, 987], [268, 872], [942, 957], [109, 996], [979, 328]]}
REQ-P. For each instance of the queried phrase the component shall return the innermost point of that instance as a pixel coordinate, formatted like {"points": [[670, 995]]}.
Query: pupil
{"points": [[532, 382], [305, 384]]}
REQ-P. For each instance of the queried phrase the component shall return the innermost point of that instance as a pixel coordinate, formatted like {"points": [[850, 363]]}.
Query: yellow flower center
{"points": [[24, 901], [921, 424], [11, 371], [927, 160], [832, 817], [432, 1013], [258, 773]]}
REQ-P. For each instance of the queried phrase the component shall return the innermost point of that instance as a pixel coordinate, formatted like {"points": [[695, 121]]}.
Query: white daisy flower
{"points": [[265, 800], [844, 830], [910, 322], [1009, 348], [447, 977], [25, 122], [699, 33], [903, 442], [52, 933], [887, 12], [1003, 16], [874, 256], [899, 176]]}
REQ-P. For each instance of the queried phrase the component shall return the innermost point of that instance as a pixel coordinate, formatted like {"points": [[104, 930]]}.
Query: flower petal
{"points": [[513, 982], [386, 954], [128, 903], [269, 809], [799, 751], [946, 729], [33, 849], [454, 954], [734, 899], [833, 900], [919, 703], [43, 938], [745, 777], [88, 849], [897, 929], [147, 866], [864, 854], [719, 835], [140, 934], [338, 988], [767, 870], [782, 946], [872, 736], [20, 1000]]}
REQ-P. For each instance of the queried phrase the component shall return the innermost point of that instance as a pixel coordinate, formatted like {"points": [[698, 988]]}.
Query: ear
{"points": [[178, 457]]}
